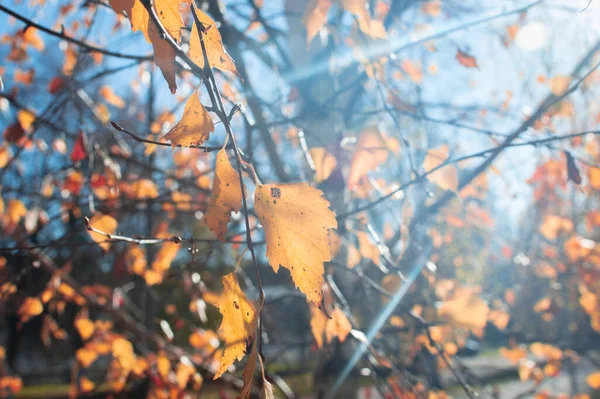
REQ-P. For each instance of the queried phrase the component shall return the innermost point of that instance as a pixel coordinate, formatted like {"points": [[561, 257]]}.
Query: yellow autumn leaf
{"points": [[217, 56], [122, 350], [163, 365], [315, 17], [593, 380], [85, 327], [25, 118], [371, 151], [15, 211], [85, 356], [195, 125], [106, 224], [108, 94], [297, 219], [239, 322], [183, 373], [170, 17], [30, 307], [324, 163], [86, 385], [226, 196], [446, 177]]}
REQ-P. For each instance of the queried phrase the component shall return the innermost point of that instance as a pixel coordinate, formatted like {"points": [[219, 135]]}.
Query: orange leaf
{"points": [[111, 97], [226, 196], [593, 380], [85, 356], [85, 327], [465, 309], [30, 307], [297, 219], [163, 365], [466, 59], [15, 211], [105, 223], [239, 322], [195, 125], [86, 385], [446, 177]]}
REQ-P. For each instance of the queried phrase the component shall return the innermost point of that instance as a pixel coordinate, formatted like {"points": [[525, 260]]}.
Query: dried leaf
{"points": [[226, 196], [297, 219], [79, 152], [239, 322], [466, 59], [195, 125]]}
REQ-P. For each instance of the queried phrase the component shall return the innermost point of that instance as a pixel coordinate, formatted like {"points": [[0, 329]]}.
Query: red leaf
{"points": [[13, 133], [56, 84], [466, 60], [79, 152]]}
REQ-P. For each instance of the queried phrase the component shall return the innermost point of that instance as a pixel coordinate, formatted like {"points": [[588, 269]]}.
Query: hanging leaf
{"points": [[195, 125], [226, 196], [216, 54], [297, 219], [248, 373], [55, 85], [466, 59], [572, 169], [465, 309], [239, 322]]}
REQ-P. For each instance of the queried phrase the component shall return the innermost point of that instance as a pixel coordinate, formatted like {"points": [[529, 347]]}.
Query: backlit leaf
{"points": [[297, 219], [106, 224], [108, 94], [217, 56], [239, 322], [315, 17], [85, 327], [371, 151], [195, 125], [226, 196]]}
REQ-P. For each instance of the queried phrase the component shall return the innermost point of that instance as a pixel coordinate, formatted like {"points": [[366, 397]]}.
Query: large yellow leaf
{"points": [[447, 177], [195, 125], [105, 223], [239, 322], [226, 196], [297, 219], [217, 56], [168, 13], [371, 151]]}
